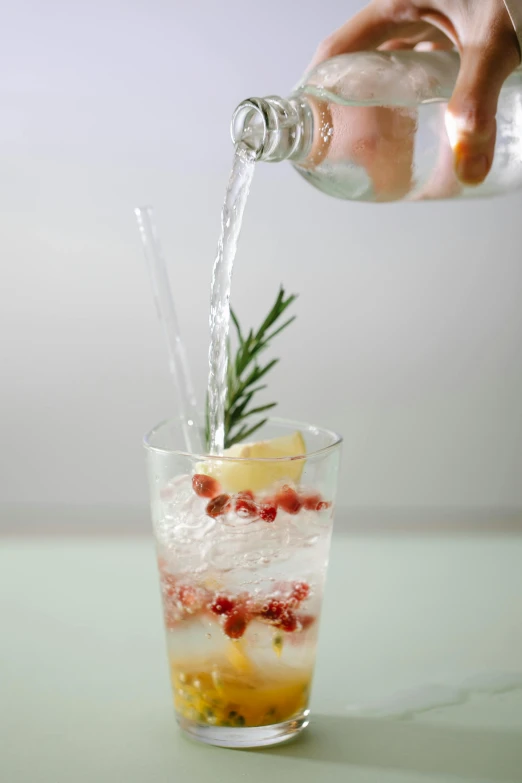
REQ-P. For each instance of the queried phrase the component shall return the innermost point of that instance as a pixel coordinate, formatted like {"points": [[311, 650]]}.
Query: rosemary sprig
{"points": [[245, 371]]}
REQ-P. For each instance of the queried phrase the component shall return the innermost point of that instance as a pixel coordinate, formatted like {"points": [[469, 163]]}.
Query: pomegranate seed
{"points": [[247, 494], [272, 610], [311, 502], [322, 505], [218, 505], [187, 596], [192, 599], [267, 512], [288, 621], [222, 605], [300, 591], [245, 507], [288, 499], [236, 623], [205, 486]]}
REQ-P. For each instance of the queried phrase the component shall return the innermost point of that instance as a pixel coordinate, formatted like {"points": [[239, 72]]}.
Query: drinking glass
{"points": [[243, 542]]}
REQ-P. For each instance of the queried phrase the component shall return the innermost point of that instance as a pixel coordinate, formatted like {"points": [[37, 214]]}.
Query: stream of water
{"points": [[231, 219]]}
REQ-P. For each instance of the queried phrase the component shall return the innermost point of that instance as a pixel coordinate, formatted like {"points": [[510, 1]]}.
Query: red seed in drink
{"points": [[311, 502], [267, 512], [288, 499], [222, 604], [236, 623], [300, 591], [192, 599], [322, 505], [219, 505], [287, 621], [245, 507], [205, 486], [247, 494], [272, 610], [187, 596]]}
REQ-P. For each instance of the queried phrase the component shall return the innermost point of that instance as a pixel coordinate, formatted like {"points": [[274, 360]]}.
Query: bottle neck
{"points": [[274, 128]]}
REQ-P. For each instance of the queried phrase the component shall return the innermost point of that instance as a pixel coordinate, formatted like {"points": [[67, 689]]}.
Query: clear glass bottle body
{"points": [[371, 126]]}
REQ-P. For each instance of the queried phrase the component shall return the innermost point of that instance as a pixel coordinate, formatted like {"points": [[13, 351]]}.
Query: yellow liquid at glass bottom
{"points": [[232, 692]]}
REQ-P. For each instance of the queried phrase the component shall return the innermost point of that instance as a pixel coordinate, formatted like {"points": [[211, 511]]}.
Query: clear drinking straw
{"points": [[179, 368]]}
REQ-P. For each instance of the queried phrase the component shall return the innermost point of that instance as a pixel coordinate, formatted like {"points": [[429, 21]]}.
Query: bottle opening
{"points": [[273, 128], [249, 125]]}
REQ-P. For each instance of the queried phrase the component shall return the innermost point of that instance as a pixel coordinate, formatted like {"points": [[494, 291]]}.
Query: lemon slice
{"points": [[238, 658], [250, 474]]}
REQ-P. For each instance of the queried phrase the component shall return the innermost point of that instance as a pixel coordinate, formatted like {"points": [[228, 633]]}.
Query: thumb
{"points": [[470, 118]]}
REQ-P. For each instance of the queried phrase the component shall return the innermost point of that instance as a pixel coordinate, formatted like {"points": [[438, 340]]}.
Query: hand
{"points": [[483, 33]]}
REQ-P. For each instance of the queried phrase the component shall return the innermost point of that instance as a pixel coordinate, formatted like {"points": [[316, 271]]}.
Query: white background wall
{"points": [[409, 336]]}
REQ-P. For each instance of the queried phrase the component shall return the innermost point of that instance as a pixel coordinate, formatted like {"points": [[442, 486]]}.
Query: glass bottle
{"points": [[371, 126]]}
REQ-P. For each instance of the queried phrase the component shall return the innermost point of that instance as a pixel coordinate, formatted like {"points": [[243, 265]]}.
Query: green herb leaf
{"points": [[244, 372]]}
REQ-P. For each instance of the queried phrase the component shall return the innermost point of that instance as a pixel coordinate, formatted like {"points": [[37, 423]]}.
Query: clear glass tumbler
{"points": [[243, 543]]}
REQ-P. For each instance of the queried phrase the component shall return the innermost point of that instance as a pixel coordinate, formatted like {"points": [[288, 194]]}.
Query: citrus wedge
{"points": [[254, 475]]}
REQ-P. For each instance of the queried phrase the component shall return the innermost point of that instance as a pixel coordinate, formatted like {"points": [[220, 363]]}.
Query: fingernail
{"points": [[472, 169]]}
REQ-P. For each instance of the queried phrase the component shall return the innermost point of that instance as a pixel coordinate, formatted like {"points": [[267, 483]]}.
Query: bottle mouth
{"points": [[249, 126], [273, 128]]}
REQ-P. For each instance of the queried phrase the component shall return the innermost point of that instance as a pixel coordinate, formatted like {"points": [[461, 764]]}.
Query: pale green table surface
{"points": [[84, 691]]}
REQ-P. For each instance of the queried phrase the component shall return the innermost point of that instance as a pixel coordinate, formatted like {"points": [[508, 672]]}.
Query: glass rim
{"points": [[300, 426]]}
